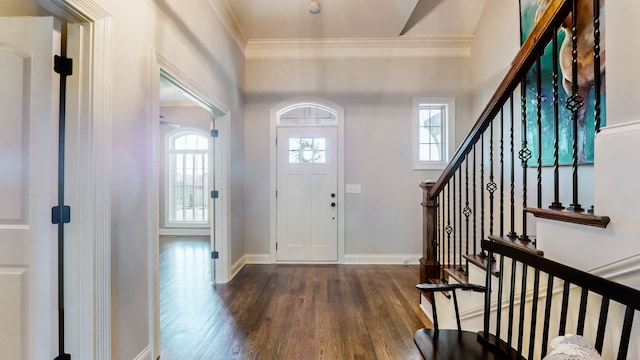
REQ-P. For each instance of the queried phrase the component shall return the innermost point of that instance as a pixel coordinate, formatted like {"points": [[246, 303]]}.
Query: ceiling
{"points": [[355, 19]]}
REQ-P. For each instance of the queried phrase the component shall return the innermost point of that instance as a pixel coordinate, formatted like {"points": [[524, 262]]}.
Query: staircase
{"points": [[500, 185]]}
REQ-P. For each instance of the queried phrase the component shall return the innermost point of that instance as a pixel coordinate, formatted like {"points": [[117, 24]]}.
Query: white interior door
{"points": [[28, 178], [307, 189]]}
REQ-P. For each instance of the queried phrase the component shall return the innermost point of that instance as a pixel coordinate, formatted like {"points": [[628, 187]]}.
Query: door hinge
{"points": [[215, 194], [276, 246], [276, 193], [276, 141], [63, 65], [214, 133], [61, 214], [215, 255]]}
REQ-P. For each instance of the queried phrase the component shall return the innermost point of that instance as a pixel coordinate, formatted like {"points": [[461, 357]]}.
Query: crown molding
{"points": [[403, 47], [230, 22]]}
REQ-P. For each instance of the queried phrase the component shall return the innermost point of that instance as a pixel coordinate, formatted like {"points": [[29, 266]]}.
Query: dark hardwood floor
{"points": [[285, 311]]}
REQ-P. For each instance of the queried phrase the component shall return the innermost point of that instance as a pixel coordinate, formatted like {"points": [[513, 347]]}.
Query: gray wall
{"points": [[377, 95]]}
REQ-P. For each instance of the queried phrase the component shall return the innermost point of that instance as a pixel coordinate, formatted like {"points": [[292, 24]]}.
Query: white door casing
{"points": [[28, 174], [307, 189]]}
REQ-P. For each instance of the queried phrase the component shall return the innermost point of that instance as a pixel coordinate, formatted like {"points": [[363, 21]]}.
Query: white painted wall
{"points": [[496, 42], [192, 38], [385, 218]]}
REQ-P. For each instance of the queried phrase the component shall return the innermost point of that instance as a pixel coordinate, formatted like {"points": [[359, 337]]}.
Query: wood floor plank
{"points": [[285, 311]]}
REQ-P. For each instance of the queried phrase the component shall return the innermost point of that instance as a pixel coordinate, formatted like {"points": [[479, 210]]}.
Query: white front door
{"points": [[28, 178], [307, 188]]}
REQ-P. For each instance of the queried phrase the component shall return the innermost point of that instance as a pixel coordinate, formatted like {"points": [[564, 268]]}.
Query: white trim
{"points": [[91, 285], [404, 47], [257, 259], [184, 232], [273, 171], [236, 267], [230, 22], [450, 128], [623, 267], [145, 354], [379, 259], [611, 130]]}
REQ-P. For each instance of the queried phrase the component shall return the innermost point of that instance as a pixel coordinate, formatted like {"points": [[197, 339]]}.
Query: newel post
{"points": [[429, 266]]}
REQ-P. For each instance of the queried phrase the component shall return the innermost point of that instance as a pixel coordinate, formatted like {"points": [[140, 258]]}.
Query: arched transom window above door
{"points": [[307, 114]]}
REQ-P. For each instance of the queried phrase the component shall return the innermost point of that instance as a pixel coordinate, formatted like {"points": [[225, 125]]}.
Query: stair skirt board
{"points": [[145, 354]]}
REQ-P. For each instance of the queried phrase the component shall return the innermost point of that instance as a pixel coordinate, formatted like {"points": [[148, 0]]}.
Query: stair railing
{"points": [[468, 202]]}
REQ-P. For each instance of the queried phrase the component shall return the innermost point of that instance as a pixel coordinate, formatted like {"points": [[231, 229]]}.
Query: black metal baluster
{"points": [[534, 311], [453, 179], [547, 315], [448, 229], [523, 296], [511, 307], [512, 195], [574, 104], [460, 268], [539, 123], [491, 185], [556, 205], [502, 172], [442, 233], [482, 253], [525, 155], [438, 238], [475, 237], [596, 64], [467, 209], [499, 302]]}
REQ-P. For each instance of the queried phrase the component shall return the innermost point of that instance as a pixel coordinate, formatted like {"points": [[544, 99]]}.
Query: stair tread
{"points": [[457, 274], [527, 246], [581, 218], [481, 262]]}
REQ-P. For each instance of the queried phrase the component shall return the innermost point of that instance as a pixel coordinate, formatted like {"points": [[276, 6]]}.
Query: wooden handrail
{"points": [[538, 39]]}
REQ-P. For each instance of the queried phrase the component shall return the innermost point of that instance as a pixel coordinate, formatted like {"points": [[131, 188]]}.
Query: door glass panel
{"points": [[307, 151]]}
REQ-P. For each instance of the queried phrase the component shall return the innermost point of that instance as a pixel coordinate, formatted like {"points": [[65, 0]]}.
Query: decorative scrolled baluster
{"points": [[467, 209], [474, 212], [460, 268], [539, 123], [482, 253], [502, 172], [597, 81], [556, 205], [574, 104], [491, 185], [448, 228], [512, 193], [524, 154]]}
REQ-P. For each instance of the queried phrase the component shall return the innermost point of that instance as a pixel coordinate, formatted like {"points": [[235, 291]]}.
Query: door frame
{"points": [[89, 119], [160, 65], [273, 170]]}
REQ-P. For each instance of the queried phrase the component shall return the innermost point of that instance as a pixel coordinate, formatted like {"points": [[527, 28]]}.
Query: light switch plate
{"points": [[353, 188]]}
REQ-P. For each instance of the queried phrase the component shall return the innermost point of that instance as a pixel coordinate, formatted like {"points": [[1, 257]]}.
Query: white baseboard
{"points": [[237, 266], [184, 232], [371, 259], [353, 259], [145, 354], [257, 259]]}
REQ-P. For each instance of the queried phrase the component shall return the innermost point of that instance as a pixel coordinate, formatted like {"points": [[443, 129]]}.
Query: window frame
{"points": [[169, 139], [448, 129]]}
